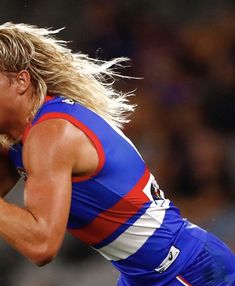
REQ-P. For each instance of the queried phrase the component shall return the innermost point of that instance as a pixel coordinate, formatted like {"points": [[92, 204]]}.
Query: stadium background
{"points": [[183, 126]]}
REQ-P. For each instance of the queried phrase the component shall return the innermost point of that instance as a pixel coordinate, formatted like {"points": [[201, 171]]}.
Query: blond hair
{"points": [[55, 69]]}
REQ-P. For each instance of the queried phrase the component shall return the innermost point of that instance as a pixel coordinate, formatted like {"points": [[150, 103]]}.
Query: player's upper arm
{"points": [[49, 158], [53, 151]]}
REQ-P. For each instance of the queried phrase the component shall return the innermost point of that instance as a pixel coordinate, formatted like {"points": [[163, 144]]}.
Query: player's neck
{"points": [[19, 121]]}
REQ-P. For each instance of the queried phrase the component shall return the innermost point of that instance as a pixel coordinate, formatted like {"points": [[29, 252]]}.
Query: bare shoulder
{"points": [[59, 142]]}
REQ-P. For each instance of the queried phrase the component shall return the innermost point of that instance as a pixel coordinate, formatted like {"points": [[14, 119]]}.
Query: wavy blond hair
{"points": [[55, 69]]}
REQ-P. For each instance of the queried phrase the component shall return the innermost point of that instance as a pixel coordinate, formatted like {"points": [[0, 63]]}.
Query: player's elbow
{"points": [[43, 260], [43, 256]]}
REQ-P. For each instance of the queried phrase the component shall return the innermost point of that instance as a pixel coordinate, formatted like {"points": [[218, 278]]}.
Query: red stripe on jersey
{"points": [[48, 97], [26, 132], [110, 220], [92, 136], [183, 281]]}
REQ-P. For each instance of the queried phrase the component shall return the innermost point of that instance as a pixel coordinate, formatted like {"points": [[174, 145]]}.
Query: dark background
{"points": [[185, 120]]}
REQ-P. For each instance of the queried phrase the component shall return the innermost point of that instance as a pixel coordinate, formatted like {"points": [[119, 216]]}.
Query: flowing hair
{"points": [[55, 69]]}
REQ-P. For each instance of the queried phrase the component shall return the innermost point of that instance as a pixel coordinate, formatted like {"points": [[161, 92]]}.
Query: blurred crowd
{"points": [[184, 54], [185, 120]]}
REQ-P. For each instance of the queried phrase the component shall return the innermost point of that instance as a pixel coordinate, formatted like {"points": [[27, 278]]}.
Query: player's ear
{"points": [[23, 81]]}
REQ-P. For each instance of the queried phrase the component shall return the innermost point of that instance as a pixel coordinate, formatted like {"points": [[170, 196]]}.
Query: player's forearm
{"points": [[24, 232]]}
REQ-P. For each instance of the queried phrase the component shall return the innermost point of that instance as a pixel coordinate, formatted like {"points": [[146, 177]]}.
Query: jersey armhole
{"points": [[89, 133]]}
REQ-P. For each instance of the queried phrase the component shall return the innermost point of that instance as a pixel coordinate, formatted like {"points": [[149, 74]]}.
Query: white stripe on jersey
{"points": [[135, 236]]}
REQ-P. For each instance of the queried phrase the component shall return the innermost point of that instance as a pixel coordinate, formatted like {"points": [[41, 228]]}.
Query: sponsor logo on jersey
{"points": [[68, 101], [170, 258], [157, 194]]}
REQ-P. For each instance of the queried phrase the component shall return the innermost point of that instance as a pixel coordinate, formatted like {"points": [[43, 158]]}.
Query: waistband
{"points": [[185, 248]]}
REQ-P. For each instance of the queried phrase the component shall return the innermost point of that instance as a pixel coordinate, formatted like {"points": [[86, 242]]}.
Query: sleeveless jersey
{"points": [[119, 210]]}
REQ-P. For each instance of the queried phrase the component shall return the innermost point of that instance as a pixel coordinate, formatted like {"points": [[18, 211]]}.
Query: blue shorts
{"points": [[214, 266]]}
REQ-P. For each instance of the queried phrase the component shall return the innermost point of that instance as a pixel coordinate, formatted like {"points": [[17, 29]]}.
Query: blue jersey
{"points": [[120, 210]]}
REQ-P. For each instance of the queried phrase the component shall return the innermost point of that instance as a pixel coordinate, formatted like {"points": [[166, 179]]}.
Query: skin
{"points": [[37, 230]]}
